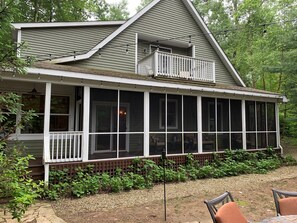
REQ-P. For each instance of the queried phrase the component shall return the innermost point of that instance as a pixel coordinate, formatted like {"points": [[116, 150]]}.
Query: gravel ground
{"points": [[200, 189], [184, 200]]}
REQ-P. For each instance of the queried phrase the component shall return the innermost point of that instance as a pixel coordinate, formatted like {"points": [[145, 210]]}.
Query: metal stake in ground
{"points": [[164, 180]]}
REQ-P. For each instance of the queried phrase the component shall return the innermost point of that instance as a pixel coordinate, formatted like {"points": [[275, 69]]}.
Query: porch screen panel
{"points": [[209, 142], [250, 116], [208, 115], [261, 116], [223, 115], [223, 141], [190, 124], [174, 124], [251, 141], [103, 124], [236, 121], [157, 124], [131, 124], [271, 122]]}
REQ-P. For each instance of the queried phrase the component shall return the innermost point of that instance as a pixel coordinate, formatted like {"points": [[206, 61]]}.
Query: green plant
{"points": [[104, 181], [15, 182], [116, 184]]}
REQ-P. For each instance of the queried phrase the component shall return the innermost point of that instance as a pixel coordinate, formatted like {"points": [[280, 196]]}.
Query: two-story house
{"points": [[109, 91]]}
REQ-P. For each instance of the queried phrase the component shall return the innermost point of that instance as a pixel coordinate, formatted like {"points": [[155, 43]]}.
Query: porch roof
{"points": [[136, 79]]}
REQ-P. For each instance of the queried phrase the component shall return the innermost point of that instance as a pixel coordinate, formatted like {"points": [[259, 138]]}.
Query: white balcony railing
{"points": [[65, 146], [177, 66]]}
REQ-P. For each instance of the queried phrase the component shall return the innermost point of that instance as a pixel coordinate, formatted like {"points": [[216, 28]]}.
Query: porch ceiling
{"points": [[162, 41]]}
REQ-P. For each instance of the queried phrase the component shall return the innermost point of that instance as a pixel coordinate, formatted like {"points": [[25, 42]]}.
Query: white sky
{"points": [[132, 5]]}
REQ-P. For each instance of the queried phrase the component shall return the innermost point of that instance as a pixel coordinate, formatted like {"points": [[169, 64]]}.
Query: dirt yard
{"points": [[184, 200]]}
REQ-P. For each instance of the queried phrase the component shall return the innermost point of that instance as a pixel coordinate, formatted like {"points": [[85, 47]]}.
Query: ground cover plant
{"points": [[144, 173]]}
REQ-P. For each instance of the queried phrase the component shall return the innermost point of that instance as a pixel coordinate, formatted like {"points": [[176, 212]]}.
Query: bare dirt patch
{"points": [[185, 200]]}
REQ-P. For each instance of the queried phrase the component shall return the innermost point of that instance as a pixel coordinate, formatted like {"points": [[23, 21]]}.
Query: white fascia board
{"points": [[213, 41], [145, 83], [66, 24], [107, 39]]}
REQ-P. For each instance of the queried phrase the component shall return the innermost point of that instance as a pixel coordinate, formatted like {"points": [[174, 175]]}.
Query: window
{"points": [[59, 115]]}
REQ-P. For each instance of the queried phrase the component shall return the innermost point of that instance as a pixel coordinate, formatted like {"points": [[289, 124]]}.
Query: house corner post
{"points": [[278, 144], [146, 115], [86, 124], [46, 131], [243, 116], [199, 120]]}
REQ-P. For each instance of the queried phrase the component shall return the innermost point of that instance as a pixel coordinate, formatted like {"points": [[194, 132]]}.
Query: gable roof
{"points": [[190, 7]]}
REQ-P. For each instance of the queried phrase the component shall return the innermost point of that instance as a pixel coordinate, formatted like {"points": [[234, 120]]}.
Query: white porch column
{"points": [[278, 145], [243, 116], [86, 124], [199, 120], [146, 124], [46, 131]]}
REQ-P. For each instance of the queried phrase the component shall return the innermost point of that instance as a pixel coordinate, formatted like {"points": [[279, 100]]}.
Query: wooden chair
{"points": [[223, 209], [285, 202]]}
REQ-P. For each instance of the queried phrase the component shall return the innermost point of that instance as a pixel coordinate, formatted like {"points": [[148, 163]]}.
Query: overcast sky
{"points": [[132, 4]]}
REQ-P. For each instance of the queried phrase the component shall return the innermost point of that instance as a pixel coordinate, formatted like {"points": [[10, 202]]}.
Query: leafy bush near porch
{"points": [[145, 173]]}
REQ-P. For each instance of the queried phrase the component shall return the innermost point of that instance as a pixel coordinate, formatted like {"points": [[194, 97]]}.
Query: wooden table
{"points": [[281, 219]]}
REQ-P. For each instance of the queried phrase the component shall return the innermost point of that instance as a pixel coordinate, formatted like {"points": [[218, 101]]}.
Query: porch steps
{"points": [[37, 169]]}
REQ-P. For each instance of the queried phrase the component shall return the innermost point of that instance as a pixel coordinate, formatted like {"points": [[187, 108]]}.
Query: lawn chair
{"points": [[285, 202], [223, 209]]}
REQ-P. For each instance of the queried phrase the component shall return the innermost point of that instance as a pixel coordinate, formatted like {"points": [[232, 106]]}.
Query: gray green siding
{"points": [[167, 19], [41, 42], [33, 147]]}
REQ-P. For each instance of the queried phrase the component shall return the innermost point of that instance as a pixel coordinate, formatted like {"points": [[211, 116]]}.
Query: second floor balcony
{"points": [[177, 66]]}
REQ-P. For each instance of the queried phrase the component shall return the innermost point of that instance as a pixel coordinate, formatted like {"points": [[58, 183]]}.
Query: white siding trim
{"points": [[46, 129], [136, 52], [147, 83], [19, 41], [243, 116], [213, 42], [86, 124], [199, 120], [146, 125], [65, 24]]}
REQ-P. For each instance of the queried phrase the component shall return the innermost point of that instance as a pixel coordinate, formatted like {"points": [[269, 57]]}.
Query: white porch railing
{"points": [[177, 66], [65, 146]]}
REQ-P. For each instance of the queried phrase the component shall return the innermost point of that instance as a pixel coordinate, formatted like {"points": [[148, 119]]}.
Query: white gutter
{"points": [[66, 24], [145, 83]]}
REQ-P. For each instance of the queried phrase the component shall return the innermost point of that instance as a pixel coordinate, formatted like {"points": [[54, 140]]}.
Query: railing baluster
{"points": [[66, 146]]}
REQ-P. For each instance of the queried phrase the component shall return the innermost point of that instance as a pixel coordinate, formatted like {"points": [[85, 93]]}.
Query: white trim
{"points": [[277, 127], [194, 51], [136, 52], [199, 120], [243, 116], [109, 38], [46, 128], [46, 174], [213, 41], [146, 125], [65, 24], [146, 83], [86, 121], [19, 41]]}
